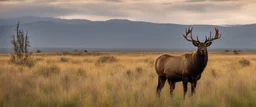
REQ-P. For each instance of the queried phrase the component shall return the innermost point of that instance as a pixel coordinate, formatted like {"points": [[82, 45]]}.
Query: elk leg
{"points": [[185, 84], [193, 87], [161, 82], [172, 86]]}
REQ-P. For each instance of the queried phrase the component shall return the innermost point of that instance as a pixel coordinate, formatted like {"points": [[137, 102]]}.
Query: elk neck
{"points": [[199, 61]]}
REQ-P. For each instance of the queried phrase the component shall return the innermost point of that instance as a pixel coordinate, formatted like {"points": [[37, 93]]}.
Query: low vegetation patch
{"points": [[150, 61], [213, 72], [76, 62], [64, 59], [47, 71], [81, 72], [236, 52], [107, 59], [244, 62], [139, 70]]}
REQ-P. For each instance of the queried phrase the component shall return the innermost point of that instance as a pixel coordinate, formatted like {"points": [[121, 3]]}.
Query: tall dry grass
{"points": [[129, 81]]}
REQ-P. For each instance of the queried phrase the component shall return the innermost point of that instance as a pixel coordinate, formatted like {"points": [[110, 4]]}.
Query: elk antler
{"points": [[217, 36], [187, 32]]}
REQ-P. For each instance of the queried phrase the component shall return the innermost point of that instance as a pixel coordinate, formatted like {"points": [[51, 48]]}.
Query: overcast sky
{"points": [[161, 11]]}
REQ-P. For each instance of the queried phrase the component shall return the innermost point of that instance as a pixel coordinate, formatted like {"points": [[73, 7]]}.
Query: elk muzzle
{"points": [[202, 51]]}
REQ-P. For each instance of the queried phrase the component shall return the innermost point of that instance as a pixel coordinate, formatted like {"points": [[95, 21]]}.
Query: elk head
{"points": [[201, 46]]}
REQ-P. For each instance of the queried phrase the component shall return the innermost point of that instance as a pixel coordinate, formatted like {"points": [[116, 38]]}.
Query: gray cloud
{"points": [[209, 0], [114, 0], [209, 7], [155, 11], [195, 0], [66, 9], [11, 0], [35, 10]]}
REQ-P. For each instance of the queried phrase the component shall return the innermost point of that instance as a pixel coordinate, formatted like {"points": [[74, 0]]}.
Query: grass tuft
{"points": [[64, 59], [47, 71], [128, 82], [107, 59], [244, 62]]}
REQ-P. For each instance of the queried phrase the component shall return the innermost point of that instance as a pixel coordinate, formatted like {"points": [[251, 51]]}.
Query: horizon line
{"points": [[127, 19]]}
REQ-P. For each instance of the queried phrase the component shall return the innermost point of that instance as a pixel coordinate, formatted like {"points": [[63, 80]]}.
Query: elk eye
{"points": [[208, 43], [198, 43]]}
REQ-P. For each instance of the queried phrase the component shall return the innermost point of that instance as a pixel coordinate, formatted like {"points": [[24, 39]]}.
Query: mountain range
{"points": [[121, 35]]}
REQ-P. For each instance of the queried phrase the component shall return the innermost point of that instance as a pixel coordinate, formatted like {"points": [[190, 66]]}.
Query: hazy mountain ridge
{"points": [[120, 34]]}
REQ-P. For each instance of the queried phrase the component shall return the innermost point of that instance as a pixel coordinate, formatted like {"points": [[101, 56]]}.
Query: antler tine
{"points": [[197, 38], [187, 32], [217, 35], [210, 34]]}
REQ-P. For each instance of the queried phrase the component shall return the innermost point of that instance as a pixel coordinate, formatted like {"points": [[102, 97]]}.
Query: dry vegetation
{"points": [[122, 80]]}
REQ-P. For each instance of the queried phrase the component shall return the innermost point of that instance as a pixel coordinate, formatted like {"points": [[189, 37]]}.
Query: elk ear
{"points": [[208, 43], [196, 44]]}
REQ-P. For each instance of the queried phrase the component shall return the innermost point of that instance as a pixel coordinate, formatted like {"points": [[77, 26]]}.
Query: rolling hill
{"points": [[120, 34]]}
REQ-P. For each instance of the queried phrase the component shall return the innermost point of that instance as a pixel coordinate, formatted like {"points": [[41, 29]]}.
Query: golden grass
{"points": [[80, 80]]}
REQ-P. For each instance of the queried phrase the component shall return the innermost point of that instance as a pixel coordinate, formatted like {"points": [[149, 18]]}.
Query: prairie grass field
{"points": [[122, 80]]}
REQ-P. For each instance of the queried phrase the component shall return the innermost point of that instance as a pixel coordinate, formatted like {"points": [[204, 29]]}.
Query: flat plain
{"points": [[122, 80]]}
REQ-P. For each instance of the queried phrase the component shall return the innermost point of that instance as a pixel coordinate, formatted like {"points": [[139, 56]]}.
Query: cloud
{"points": [[195, 0], [114, 0], [34, 10], [206, 7], [12, 0], [210, 0], [160, 11], [62, 9]]}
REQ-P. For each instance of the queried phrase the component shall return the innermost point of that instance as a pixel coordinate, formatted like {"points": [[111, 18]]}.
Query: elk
{"points": [[187, 67]]}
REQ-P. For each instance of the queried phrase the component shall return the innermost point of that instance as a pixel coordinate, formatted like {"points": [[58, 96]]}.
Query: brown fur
{"points": [[177, 68], [185, 68]]}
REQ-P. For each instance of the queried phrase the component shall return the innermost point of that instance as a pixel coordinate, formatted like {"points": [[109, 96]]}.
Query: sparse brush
{"points": [[29, 62], [82, 72], [213, 72], [64, 59], [93, 53], [150, 61], [138, 70], [244, 62], [39, 59], [128, 73], [107, 59], [47, 71], [76, 62], [88, 60], [235, 52], [20, 44]]}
